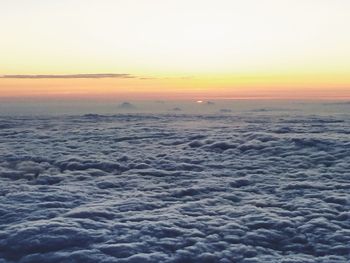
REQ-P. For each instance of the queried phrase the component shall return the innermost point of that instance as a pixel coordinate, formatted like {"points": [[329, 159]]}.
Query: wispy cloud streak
{"points": [[70, 76]]}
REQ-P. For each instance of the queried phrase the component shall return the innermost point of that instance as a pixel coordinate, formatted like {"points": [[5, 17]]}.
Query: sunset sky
{"points": [[178, 49]]}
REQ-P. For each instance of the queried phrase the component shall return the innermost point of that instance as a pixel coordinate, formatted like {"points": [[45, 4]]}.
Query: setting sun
{"points": [[175, 131]]}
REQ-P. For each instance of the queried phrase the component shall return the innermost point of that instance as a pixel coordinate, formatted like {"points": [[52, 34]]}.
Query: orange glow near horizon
{"points": [[185, 49], [273, 87]]}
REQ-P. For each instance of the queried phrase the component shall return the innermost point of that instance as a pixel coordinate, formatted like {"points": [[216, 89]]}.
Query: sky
{"points": [[183, 49]]}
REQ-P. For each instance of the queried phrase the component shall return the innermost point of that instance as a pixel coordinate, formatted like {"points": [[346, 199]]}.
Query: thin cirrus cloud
{"points": [[71, 76]]}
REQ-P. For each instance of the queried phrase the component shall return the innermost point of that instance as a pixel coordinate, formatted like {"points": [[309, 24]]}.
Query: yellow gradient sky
{"points": [[174, 49]]}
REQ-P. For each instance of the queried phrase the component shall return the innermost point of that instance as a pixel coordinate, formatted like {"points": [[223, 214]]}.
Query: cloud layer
{"points": [[175, 188]]}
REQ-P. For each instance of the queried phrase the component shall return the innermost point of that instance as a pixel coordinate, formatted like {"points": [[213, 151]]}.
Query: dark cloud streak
{"points": [[70, 76]]}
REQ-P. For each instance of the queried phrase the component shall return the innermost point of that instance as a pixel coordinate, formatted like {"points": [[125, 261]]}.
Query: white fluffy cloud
{"points": [[170, 188]]}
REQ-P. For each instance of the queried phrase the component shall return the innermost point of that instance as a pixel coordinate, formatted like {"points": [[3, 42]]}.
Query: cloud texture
{"points": [[175, 188]]}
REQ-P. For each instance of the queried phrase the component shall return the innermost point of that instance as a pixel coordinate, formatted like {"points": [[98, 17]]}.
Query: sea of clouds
{"points": [[178, 187]]}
